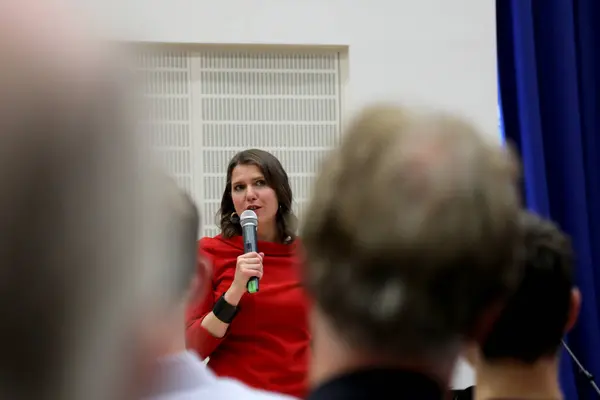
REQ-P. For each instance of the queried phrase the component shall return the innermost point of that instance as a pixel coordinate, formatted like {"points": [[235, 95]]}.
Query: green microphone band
{"points": [[253, 286]]}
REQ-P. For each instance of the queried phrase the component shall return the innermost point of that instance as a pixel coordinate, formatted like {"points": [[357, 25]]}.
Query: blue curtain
{"points": [[549, 76]]}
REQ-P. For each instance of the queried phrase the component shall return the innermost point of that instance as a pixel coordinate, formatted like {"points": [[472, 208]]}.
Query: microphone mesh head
{"points": [[248, 217]]}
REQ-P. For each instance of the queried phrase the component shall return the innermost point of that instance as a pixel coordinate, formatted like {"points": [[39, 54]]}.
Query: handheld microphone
{"points": [[249, 223]]}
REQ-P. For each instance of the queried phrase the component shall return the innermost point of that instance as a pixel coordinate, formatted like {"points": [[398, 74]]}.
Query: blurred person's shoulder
{"points": [[232, 389], [226, 389]]}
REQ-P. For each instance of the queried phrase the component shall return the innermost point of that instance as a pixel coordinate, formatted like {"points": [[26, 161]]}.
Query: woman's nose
{"points": [[250, 193]]}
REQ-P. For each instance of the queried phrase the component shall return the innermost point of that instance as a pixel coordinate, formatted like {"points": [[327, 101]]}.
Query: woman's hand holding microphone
{"points": [[248, 265]]}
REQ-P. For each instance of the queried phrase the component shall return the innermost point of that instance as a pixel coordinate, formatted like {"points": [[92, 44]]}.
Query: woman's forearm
{"points": [[212, 324]]}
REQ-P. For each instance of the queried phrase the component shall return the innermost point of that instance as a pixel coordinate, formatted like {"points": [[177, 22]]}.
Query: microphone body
{"points": [[249, 223]]}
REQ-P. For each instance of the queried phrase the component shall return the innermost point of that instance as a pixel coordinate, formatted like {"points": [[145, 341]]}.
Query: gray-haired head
{"points": [[412, 232]]}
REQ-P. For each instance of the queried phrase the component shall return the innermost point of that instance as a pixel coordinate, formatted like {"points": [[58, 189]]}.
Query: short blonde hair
{"points": [[412, 230]]}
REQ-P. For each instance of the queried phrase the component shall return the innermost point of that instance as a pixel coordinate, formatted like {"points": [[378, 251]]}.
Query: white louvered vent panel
{"points": [[167, 84], [287, 104], [206, 106]]}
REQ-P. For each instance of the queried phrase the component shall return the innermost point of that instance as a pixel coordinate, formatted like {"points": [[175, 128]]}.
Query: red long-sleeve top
{"points": [[267, 345]]}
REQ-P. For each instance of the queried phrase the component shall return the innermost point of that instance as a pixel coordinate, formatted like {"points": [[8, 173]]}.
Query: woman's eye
{"points": [[237, 188], [260, 183]]}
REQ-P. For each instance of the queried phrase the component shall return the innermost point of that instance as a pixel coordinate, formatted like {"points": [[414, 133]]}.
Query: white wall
{"points": [[435, 52]]}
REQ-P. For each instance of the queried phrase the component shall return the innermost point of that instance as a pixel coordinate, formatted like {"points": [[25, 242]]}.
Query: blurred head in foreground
{"points": [[192, 276], [411, 237], [524, 343], [80, 266]]}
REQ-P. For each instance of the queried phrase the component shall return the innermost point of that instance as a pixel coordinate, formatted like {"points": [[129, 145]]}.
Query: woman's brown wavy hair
{"points": [[276, 178]]}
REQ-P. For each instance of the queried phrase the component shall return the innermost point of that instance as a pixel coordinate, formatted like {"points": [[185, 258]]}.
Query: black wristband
{"points": [[224, 311]]}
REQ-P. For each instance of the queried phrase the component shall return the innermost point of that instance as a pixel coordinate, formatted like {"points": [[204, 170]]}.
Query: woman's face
{"points": [[249, 190]]}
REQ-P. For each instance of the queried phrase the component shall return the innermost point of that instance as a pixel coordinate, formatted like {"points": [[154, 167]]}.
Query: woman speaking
{"points": [[261, 339]]}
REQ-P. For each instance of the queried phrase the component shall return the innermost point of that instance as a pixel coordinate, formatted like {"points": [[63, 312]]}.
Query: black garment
{"points": [[379, 384], [464, 394]]}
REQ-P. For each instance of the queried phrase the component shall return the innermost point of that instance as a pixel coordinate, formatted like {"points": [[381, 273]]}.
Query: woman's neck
{"points": [[268, 234]]}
